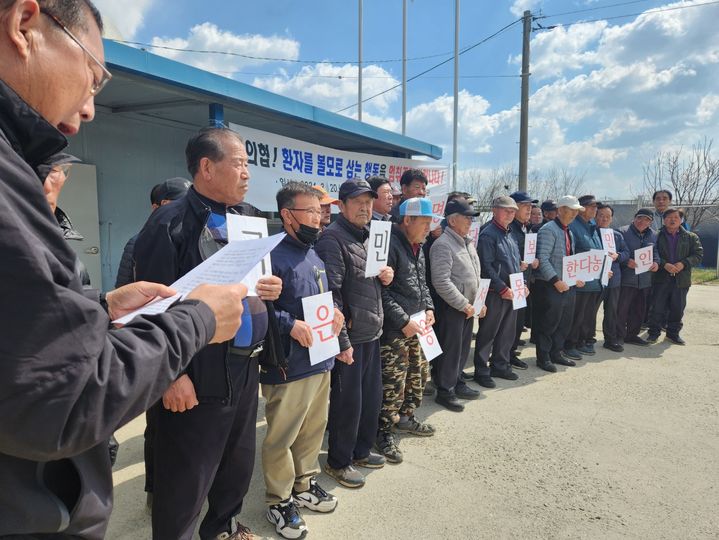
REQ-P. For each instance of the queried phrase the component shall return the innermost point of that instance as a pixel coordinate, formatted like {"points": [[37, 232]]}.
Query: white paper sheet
{"points": [[319, 311], [474, 232], [377, 246], [644, 257], [438, 196], [427, 338], [229, 265], [519, 299], [608, 240], [481, 296], [250, 228], [530, 247], [605, 271]]}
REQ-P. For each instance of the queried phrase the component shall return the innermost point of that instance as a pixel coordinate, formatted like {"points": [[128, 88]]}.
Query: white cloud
{"points": [[123, 19], [209, 37], [708, 107], [520, 6]]}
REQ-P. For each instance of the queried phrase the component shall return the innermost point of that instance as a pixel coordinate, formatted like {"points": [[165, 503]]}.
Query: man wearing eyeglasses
{"points": [[67, 381]]}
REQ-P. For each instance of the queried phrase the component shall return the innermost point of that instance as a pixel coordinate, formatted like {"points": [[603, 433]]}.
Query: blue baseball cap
{"points": [[523, 197], [420, 207]]}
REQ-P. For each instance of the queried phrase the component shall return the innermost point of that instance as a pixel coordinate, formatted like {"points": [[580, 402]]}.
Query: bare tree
{"points": [[485, 187], [555, 183], [691, 175]]}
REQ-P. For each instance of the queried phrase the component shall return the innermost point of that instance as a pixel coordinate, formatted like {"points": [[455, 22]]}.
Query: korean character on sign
{"points": [[308, 163], [321, 169], [393, 176], [371, 169], [584, 264], [264, 152], [354, 168], [645, 257], [533, 246], [326, 318], [596, 263], [380, 242], [438, 207], [519, 287], [330, 165], [383, 169], [572, 269], [297, 160], [287, 159], [426, 332], [251, 148], [338, 167]]}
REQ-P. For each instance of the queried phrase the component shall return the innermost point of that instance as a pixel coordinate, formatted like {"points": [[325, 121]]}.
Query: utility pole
{"points": [[524, 114], [456, 94], [359, 67], [404, 66]]}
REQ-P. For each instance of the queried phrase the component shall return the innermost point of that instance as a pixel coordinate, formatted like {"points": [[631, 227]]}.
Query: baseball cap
{"points": [[170, 190], [548, 206], [586, 200], [326, 199], [355, 187], [504, 201], [523, 197], [461, 207], [417, 206], [570, 201], [645, 212], [55, 161]]}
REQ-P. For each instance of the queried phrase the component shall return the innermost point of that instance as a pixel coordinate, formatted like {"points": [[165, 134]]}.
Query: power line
{"points": [[271, 59], [340, 77], [628, 15], [593, 9], [466, 49]]}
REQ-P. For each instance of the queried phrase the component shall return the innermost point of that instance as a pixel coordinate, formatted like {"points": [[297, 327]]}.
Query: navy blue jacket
{"points": [[635, 240], [303, 274], [499, 256], [623, 251], [586, 237]]}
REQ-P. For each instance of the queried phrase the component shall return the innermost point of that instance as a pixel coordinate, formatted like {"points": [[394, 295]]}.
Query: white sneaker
{"points": [[287, 519], [315, 498]]}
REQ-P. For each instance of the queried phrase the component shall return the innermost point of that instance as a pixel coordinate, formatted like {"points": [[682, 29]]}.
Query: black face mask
{"points": [[307, 235]]}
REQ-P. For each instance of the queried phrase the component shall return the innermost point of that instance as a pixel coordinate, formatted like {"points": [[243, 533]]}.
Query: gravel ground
{"points": [[618, 447]]}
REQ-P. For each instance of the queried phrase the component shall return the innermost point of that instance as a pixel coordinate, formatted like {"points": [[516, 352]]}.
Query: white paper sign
{"points": [[530, 247], [250, 228], [608, 241], [519, 299], [644, 257], [377, 246], [481, 297], [229, 265], [606, 270], [427, 338], [585, 266], [474, 232], [319, 313], [438, 195]]}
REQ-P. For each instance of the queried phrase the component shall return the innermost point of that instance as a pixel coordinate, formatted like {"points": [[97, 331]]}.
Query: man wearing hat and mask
{"points": [[580, 340], [499, 257], [456, 281], [160, 195], [356, 381], [554, 298]]}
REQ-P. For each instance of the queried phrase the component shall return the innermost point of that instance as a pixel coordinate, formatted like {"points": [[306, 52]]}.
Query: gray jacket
{"points": [[551, 249], [455, 269]]}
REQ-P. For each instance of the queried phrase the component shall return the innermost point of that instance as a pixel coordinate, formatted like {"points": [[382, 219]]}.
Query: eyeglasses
{"points": [[97, 86], [310, 211]]}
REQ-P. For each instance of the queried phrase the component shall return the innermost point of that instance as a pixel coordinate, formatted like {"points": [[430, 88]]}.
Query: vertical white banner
{"points": [[607, 268], [377, 246], [481, 296], [608, 240], [319, 313], [427, 338], [530, 247], [250, 228], [474, 232], [644, 257], [519, 299], [438, 195]]}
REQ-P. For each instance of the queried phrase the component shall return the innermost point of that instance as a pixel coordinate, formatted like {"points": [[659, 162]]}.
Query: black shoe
{"points": [[547, 366], [587, 348], [517, 363], [591, 341], [636, 340], [616, 347], [676, 339], [449, 401], [571, 354], [485, 381], [521, 343], [466, 376], [652, 338], [563, 361], [508, 375], [463, 391]]}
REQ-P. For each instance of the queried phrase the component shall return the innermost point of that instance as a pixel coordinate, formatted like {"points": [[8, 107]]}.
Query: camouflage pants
{"points": [[404, 374]]}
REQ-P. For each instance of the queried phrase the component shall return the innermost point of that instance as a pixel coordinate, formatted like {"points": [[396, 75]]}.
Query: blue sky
{"points": [[606, 95]]}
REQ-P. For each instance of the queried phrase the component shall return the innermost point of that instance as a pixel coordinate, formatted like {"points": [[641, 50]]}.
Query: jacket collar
{"points": [[463, 241], [499, 227], [360, 234], [202, 206], [29, 134], [294, 243]]}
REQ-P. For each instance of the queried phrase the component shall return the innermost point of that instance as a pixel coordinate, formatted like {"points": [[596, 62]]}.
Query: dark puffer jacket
{"points": [[408, 293], [343, 248], [635, 240]]}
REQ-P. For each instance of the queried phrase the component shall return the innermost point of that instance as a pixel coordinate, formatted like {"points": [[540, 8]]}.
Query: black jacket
{"points": [[175, 240], [126, 269], [408, 293], [343, 248], [635, 240], [66, 380], [499, 256]]}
